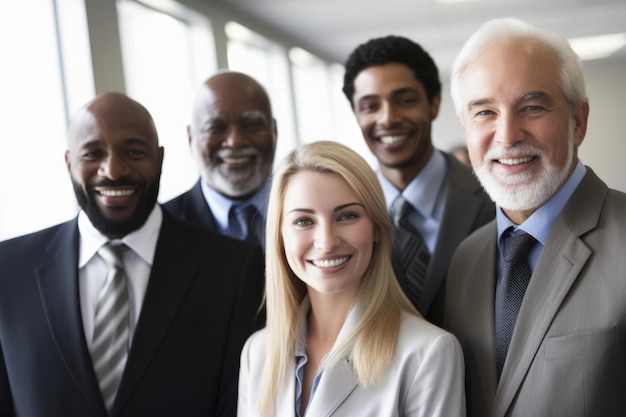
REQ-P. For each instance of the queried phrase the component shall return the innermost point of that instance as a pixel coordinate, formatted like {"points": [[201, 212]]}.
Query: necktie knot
{"points": [[516, 246], [113, 255], [400, 209], [242, 220]]}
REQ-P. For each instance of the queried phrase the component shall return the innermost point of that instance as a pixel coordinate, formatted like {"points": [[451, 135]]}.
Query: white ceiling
{"points": [[333, 28]]}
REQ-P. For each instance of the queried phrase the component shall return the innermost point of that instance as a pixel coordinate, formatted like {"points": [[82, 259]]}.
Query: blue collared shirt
{"points": [[221, 205], [302, 358], [540, 223], [426, 193]]}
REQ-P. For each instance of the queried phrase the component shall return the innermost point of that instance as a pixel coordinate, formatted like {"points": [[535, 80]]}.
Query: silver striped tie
{"points": [[109, 347]]}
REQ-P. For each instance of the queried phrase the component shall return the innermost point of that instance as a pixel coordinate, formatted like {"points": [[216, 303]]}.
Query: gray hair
{"points": [[572, 81]]}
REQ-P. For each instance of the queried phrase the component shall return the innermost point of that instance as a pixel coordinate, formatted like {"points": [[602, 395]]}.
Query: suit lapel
{"points": [[561, 261], [338, 379], [462, 208], [337, 382], [170, 277], [58, 289], [480, 291], [199, 212]]}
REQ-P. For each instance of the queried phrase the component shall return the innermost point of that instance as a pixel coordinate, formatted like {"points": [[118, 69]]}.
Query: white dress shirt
{"points": [[92, 270]]}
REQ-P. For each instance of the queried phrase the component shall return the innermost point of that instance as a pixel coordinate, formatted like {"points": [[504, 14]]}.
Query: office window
{"points": [[45, 78], [322, 109], [166, 55], [267, 62], [347, 129]]}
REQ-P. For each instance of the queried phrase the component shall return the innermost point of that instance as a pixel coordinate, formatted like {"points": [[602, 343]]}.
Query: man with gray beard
{"points": [[536, 297], [232, 137]]}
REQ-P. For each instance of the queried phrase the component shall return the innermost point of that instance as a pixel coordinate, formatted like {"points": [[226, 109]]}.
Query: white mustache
{"points": [[237, 153]]}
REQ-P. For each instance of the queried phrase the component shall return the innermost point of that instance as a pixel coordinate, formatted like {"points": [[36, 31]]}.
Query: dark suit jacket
{"points": [[200, 306], [191, 206], [568, 351], [467, 207]]}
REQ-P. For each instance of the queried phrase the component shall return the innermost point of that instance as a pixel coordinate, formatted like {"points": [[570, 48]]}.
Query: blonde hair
{"points": [[372, 342]]}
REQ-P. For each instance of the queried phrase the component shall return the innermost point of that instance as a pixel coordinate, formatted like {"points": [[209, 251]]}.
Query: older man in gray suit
{"points": [[543, 330]]}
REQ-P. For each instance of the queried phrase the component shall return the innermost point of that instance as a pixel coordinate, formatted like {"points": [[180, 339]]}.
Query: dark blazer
{"points": [[567, 354], [467, 207], [191, 206], [200, 305]]}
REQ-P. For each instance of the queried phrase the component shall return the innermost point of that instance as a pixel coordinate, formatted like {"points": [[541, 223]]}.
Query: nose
{"points": [[388, 114], [237, 137], [326, 237], [112, 167], [509, 129]]}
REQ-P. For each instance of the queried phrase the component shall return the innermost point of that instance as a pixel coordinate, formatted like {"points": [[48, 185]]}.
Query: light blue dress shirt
{"points": [[426, 193], [302, 358], [539, 224], [221, 205]]}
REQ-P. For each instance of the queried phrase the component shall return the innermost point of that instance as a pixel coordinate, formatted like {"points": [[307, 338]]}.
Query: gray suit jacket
{"points": [[467, 208], [568, 352]]}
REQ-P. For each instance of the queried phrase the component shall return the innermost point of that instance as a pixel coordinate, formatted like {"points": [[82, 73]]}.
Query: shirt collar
{"points": [[142, 241], [539, 224], [423, 190], [221, 205]]}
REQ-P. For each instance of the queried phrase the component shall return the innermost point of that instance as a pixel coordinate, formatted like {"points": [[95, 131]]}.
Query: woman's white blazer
{"points": [[425, 378]]}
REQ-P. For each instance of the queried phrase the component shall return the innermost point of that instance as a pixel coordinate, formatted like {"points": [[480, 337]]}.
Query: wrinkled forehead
{"points": [[228, 117], [229, 94]]}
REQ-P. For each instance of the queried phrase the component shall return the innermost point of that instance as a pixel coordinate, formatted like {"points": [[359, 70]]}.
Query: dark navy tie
{"points": [[244, 223], [510, 290]]}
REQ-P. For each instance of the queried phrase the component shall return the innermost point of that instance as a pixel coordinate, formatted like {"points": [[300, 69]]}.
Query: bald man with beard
{"points": [[193, 296]]}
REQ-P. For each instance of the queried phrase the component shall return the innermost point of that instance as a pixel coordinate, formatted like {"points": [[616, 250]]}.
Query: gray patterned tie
{"points": [[110, 336], [510, 290], [410, 254]]}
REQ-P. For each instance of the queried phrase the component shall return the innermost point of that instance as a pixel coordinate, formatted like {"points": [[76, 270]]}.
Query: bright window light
{"points": [[597, 47], [34, 182], [165, 60], [266, 62]]}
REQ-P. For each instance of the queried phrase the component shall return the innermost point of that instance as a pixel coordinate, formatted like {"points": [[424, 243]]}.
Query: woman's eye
{"points": [[302, 222], [348, 216]]}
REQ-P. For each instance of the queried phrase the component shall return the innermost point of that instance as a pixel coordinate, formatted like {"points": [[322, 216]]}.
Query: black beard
{"points": [[116, 230]]}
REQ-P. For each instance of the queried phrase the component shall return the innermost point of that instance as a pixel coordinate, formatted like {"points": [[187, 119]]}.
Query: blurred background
{"points": [[58, 54]]}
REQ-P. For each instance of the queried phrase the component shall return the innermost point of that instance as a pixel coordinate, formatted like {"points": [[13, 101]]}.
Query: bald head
{"points": [[232, 134], [115, 111]]}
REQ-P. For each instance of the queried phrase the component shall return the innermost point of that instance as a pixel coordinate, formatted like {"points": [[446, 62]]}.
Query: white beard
{"points": [[530, 189]]}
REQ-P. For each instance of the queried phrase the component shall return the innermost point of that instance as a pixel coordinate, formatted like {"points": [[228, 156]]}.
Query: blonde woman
{"points": [[341, 337]]}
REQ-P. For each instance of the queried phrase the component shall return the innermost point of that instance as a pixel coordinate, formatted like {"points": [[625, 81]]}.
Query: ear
{"points": [[434, 106], [161, 155], [581, 115], [68, 162]]}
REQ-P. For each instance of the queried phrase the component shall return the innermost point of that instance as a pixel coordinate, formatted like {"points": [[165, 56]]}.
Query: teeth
{"points": [[116, 193], [330, 263], [388, 140], [515, 161], [237, 160]]}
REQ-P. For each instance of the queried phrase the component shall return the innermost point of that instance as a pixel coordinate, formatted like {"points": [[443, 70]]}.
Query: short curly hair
{"points": [[396, 49]]}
